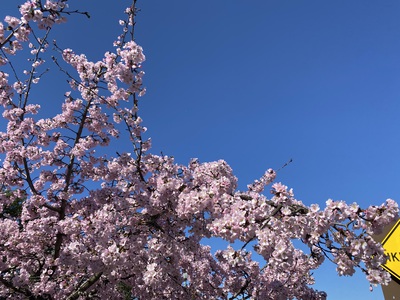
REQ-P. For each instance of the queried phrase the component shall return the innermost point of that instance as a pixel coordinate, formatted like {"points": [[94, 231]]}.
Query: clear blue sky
{"points": [[260, 82]]}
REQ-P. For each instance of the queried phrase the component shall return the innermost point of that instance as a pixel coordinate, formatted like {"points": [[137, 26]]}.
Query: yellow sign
{"points": [[391, 244]]}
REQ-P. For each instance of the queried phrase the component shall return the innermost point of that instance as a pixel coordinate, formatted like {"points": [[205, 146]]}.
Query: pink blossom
{"points": [[77, 220]]}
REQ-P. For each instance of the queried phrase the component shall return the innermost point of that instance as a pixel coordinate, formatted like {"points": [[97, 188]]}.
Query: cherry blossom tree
{"points": [[77, 222]]}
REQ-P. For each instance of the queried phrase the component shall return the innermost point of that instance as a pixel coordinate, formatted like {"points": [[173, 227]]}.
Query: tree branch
{"points": [[85, 286]]}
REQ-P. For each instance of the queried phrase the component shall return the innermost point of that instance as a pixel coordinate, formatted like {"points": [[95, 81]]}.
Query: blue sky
{"points": [[260, 82]]}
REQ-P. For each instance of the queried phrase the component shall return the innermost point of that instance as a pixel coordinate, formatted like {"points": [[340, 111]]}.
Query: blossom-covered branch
{"points": [[80, 222]]}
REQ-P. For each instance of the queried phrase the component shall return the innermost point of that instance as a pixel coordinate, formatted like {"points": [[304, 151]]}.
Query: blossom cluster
{"points": [[77, 222], [15, 30]]}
